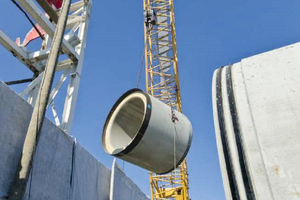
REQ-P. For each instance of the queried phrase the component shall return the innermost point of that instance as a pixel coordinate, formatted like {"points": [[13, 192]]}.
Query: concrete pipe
{"points": [[139, 130]]}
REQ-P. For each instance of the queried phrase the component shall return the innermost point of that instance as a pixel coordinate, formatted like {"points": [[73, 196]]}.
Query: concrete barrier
{"points": [[257, 121], [52, 168], [90, 179], [14, 119]]}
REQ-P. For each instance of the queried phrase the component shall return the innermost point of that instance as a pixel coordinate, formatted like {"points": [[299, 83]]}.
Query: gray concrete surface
{"points": [[52, 165], [91, 179], [267, 91], [14, 119], [62, 169]]}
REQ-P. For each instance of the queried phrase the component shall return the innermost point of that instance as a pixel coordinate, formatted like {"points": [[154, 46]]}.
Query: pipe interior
{"points": [[125, 123]]}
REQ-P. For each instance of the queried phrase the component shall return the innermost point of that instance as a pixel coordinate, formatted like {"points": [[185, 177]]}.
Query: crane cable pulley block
{"points": [[150, 18]]}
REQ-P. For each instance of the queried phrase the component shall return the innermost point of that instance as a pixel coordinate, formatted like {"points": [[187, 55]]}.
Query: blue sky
{"points": [[209, 34]]}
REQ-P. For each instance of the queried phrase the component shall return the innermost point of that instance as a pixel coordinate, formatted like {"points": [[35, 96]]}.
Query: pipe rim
{"points": [[138, 137]]}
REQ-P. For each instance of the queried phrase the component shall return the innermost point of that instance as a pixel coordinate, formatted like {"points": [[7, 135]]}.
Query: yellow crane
{"points": [[162, 82]]}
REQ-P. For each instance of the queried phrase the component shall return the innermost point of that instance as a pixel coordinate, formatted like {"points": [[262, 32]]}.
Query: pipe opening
{"points": [[125, 123]]}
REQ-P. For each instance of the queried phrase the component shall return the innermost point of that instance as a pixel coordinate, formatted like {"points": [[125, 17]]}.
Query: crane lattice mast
{"points": [[162, 82]]}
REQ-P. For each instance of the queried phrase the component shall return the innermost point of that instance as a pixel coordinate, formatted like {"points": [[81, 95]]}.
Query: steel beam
{"points": [[39, 55], [77, 5], [32, 85], [72, 93], [48, 9], [73, 21], [18, 81], [17, 51], [64, 64], [32, 9], [57, 86], [78, 22]]}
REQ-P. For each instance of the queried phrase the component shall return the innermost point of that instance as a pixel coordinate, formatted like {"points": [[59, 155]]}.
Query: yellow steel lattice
{"points": [[162, 82]]}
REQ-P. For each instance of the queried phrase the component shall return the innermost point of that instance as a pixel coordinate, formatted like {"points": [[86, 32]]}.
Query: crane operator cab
{"points": [[150, 18]]}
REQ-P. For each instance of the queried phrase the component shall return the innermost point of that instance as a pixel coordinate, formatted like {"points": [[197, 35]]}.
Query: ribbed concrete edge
{"points": [[261, 122], [218, 138]]}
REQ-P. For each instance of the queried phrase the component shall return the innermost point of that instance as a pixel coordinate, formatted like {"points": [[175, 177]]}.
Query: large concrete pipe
{"points": [[257, 123], [139, 129]]}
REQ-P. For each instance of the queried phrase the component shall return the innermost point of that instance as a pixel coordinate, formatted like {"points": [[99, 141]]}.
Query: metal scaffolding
{"points": [[73, 47]]}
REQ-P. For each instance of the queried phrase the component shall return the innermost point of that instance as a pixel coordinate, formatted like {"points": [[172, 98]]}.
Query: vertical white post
{"points": [[73, 87]]}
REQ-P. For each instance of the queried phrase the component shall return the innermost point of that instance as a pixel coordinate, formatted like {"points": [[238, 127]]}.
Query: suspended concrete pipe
{"points": [[139, 130]]}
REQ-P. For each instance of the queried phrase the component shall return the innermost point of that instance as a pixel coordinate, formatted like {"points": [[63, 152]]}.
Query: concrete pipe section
{"points": [[139, 129], [257, 123]]}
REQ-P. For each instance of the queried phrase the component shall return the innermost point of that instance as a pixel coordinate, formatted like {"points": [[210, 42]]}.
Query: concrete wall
{"points": [[52, 167], [14, 120], [122, 187], [257, 122], [62, 168], [91, 180]]}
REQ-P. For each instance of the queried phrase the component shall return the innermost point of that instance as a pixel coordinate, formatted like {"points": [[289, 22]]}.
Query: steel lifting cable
{"points": [[142, 60], [31, 22], [141, 68], [175, 133], [173, 116]]}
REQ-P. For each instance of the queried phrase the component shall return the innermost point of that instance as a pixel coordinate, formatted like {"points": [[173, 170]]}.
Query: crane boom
{"points": [[162, 82]]}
